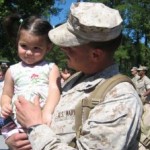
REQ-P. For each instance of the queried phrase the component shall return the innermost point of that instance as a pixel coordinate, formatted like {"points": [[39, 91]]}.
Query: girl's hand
{"points": [[6, 110]]}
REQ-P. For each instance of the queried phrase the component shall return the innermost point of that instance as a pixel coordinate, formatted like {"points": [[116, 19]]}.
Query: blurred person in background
{"points": [[135, 77], [143, 84]]}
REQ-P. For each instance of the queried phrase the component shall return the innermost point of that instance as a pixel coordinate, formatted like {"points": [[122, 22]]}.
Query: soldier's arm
{"points": [[112, 124], [147, 86]]}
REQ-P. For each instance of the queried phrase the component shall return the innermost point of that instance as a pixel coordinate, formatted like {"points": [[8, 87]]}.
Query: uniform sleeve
{"points": [[112, 125], [147, 83], [43, 138]]}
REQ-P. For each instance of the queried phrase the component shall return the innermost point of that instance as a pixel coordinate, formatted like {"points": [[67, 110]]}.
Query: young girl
{"points": [[32, 75]]}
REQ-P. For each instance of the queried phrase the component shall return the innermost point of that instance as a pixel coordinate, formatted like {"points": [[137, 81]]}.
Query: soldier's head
{"points": [[134, 71], [142, 70], [90, 36]]}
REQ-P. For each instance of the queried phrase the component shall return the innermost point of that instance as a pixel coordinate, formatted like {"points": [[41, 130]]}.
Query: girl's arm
{"points": [[53, 94], [7, 94]]}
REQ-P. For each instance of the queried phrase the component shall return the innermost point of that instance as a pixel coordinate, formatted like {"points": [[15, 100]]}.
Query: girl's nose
{"points": [[28, 52]]}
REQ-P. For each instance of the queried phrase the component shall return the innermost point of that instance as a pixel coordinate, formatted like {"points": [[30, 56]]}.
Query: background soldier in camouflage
{"points": [[143, 88], [143, 83], [135, 77], [89, 38]]}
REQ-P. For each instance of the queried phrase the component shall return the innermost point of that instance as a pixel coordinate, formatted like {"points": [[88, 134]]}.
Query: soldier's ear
{"points": [[97, 54]]}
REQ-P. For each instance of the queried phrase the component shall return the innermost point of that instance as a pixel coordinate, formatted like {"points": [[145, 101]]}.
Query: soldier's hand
{"points": [[28, 114]]}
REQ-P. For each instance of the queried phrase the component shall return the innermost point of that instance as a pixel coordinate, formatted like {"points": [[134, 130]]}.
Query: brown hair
{"points": [[36, 25]]}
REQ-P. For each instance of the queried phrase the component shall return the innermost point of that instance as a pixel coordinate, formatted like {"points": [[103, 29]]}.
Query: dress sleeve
{"points": [[51, 65]]}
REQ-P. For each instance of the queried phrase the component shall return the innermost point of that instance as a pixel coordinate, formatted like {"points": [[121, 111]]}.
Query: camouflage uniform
{"points": [[143, 84], [141, 147], [135, 79], [112, 124]]}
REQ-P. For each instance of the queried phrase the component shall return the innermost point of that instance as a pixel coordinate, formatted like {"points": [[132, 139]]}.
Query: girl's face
{"points": [[32, 48]]}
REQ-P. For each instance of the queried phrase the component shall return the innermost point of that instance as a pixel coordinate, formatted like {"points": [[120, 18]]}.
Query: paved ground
{"points": [[3, 146]]}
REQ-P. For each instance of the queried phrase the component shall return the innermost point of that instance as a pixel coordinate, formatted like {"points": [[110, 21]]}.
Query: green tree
{"points": [[135, 48], [57, 56]]}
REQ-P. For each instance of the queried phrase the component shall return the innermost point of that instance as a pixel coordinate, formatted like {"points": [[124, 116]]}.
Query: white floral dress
{"points": [[30, 81]]}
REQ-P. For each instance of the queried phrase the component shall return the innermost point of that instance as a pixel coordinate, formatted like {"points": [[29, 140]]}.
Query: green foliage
{"points": [[122, 53], [1, 2], [135, 48], [57, 56]]}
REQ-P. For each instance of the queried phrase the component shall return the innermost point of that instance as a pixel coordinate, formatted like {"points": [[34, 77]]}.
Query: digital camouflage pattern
{"points": [[112, 124], [81, 28], [143, 84]]}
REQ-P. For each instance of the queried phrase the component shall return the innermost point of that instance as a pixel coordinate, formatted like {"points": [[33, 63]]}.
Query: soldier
{"points": [[143, 88], [143, 83], [134, 72], [89, 38]]}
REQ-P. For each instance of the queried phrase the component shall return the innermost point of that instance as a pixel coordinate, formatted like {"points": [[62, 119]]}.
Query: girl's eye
{"points": [[23, 46], [37, 49]]}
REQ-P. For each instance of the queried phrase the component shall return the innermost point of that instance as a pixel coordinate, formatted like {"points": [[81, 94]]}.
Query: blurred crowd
{"points": [[141, 81]]}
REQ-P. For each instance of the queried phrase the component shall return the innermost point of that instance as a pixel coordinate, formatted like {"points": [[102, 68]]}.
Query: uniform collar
{"points": [[90, 81]]}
